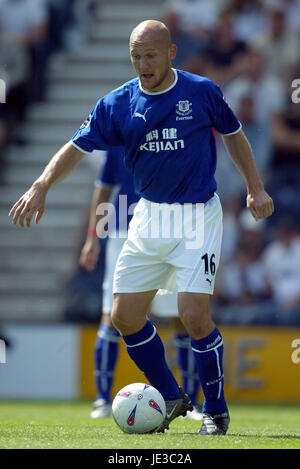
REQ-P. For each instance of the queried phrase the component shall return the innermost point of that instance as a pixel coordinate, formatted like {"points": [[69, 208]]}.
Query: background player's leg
{"points": [[105, 359], [107, 342], [187, 366]]}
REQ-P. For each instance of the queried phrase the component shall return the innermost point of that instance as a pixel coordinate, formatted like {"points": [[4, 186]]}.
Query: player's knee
{"points": [[120, 317], [191, 320], [129, 312], [197, 321]]}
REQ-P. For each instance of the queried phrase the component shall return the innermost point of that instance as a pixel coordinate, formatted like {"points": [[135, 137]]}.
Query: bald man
{"points": [[164, 120], [152, 39]]}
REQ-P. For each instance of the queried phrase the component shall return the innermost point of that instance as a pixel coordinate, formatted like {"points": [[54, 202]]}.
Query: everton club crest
{"points": [[184, 108]]}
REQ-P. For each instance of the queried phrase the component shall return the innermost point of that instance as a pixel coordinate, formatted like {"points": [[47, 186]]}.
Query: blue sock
{"points": [[208, 354], [146, 349], [105, 356], [187, 366]]}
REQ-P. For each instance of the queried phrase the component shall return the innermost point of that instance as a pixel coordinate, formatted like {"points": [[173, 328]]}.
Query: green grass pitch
{"points": [[68, 426]]}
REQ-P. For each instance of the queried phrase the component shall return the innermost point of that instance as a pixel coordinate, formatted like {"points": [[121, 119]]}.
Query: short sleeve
{"points": [[223, 118], [99, 131]]}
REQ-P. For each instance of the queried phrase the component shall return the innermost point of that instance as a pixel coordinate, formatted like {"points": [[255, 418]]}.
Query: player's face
{"points": [[152, 61]]}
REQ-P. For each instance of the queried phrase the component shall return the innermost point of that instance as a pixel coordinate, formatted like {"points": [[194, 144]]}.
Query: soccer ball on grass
{"points": [[139, 408]]}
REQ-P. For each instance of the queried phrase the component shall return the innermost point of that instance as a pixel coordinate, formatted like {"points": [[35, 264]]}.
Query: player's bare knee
{"points": [[197, 321], [123, 316], [129, 311], [119, 319], [120, 324]]}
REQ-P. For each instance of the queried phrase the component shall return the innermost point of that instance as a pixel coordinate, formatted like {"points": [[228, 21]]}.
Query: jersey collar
{"points": [[155, 93]]}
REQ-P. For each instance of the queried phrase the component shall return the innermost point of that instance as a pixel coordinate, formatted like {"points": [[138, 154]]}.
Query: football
{"points": [[139, 408]]}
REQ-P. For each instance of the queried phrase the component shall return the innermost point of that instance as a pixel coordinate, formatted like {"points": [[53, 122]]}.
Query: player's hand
{"points": [[32, 202], [89, 254], [260, 204]]}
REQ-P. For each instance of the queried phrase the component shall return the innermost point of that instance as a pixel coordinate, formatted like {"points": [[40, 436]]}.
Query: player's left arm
{"points": [[259, 202]]}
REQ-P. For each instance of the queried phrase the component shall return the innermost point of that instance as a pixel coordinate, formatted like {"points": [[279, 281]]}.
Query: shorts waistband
{"points": [[165, 204]]}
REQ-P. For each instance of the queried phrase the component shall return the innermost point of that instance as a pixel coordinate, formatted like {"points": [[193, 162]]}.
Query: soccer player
{"points": [[114, 193], [164, 120]]}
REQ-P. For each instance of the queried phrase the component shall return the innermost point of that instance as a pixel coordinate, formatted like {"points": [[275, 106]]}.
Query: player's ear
{"points": [[173, 51]]}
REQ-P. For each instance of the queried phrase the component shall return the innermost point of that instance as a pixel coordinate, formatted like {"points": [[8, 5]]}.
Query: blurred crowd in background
{"points": [[251, 48], [31, 31]]}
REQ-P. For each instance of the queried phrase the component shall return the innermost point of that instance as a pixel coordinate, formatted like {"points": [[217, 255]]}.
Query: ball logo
{"points": [[155, 406], [126, 394], [131, 417]]}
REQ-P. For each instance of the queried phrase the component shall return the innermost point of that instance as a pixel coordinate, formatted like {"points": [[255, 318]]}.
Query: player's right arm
{"points": [[91, 249], [259, 202], [34, 200]]}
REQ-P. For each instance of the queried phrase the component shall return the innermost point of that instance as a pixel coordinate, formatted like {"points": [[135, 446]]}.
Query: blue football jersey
{"points": [[114, 174], [167, 136]]}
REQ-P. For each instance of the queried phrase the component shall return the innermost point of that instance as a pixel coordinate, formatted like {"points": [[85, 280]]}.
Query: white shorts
{"points": [[165, 306], [162, 305], [186, 261]]}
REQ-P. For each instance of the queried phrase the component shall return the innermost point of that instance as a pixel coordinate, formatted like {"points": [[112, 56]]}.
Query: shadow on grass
{"points": [[277, 437], [239, 435]]}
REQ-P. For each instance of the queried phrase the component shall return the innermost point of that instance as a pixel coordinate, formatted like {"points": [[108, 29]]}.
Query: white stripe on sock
{"points": [[111, 337], [190, 370], [219, 372], [144, 341], [182, 343], [208, 350]]}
